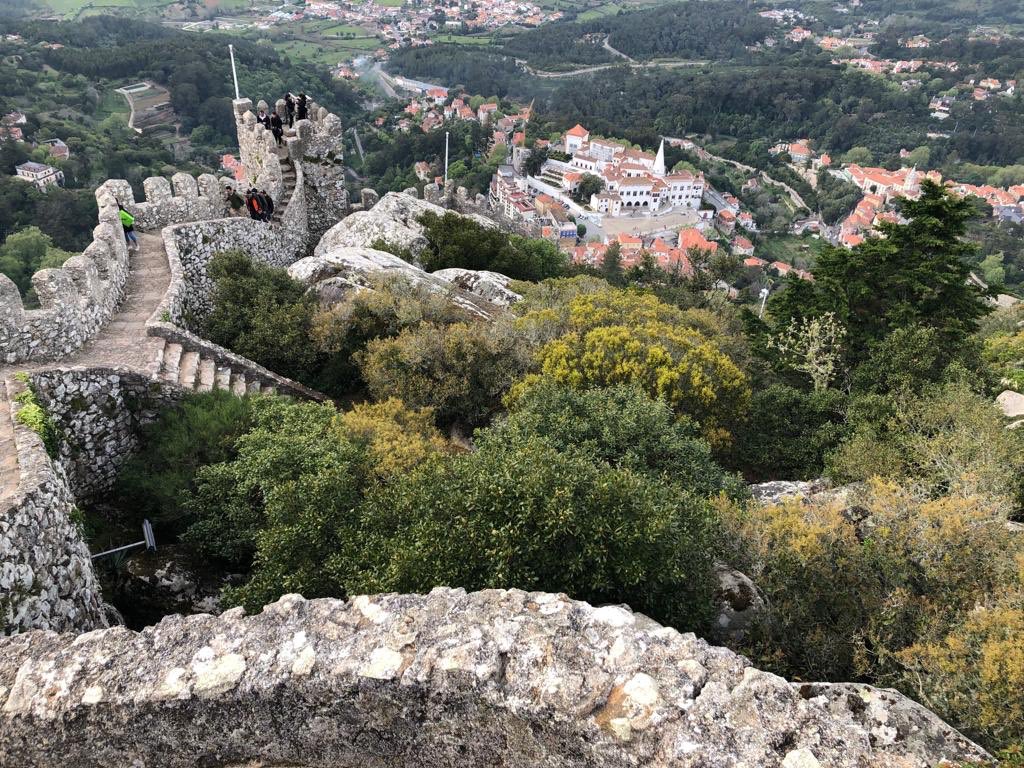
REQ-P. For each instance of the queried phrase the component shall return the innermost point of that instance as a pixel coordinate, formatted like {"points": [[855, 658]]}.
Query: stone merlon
{"points": [[493, 678]]}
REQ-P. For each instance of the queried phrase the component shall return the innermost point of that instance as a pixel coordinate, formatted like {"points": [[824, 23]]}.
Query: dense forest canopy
{"points": [[697, 29], [195, 67]]}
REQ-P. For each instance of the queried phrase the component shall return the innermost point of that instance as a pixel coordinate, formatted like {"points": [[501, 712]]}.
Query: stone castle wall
{"points": [[76, 299], [46, 576], [97, 413], [449, 679], [191, 246]]}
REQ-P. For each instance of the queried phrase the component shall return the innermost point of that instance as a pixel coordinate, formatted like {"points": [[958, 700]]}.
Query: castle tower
{"points": [[659, 161]]}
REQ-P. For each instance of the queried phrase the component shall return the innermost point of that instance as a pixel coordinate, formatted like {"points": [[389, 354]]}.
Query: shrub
{"points": [[33, 415], [949, 440], [519, 512], [922, 595], [788, 433], [668, 362], [393, 304], [462, 371], [458, 241], [262, 313], [622, 427], [201, 430]]}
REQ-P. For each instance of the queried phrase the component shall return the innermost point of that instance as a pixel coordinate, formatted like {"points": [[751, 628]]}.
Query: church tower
{"points": [[659, 161]]}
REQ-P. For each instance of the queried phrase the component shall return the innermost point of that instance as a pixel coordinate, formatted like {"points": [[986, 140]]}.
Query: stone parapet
{"points": [[495, 678], [46, 576]]}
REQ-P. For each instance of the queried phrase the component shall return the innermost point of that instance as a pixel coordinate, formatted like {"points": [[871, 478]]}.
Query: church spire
{"points": [[659, 161]]}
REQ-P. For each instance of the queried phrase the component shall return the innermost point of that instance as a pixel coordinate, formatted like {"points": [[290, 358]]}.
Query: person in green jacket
{"points": [[128, 222]]}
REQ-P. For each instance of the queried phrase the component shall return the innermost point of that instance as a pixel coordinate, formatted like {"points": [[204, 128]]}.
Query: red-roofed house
{"points": [[575, 137], [486, 112], [691, 239], [741, 246], [726, 220]]}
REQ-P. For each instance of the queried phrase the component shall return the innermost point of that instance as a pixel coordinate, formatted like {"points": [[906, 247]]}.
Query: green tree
{"points": [[611, 263], [859, 155], [915, 275], [589, 185], [26, 252], [519, 512], [202, 430], [262, 313]]}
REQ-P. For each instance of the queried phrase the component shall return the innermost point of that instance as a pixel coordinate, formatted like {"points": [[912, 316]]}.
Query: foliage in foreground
{"points": [[923, 595], [329, 504]]}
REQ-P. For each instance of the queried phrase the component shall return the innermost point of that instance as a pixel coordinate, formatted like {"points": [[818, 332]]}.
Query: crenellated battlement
{"points": [[77, 298]]}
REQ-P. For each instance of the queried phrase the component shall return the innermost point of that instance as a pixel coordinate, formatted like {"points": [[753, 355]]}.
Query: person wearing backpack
{"points": [[253, 204], [128, 224]]}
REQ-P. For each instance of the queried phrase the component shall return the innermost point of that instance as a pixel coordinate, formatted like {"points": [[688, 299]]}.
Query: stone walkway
{"points": [[122, 341], [8, 454]]}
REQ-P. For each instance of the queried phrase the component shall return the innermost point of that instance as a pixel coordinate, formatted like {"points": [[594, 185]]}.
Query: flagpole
{"points": [[234, 73]]}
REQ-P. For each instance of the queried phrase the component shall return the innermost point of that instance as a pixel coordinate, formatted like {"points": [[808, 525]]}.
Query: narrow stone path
{"points": [[122, 341], [9, 475]]}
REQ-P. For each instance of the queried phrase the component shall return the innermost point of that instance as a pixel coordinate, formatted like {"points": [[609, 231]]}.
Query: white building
{"points": [[42, 176], [633, 179]]}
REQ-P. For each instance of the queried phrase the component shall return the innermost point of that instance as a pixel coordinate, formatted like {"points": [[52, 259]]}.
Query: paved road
{"points": [[601, 67], [607, 46]]}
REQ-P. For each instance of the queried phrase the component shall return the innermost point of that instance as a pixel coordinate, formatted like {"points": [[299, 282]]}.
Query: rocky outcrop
{"points": [[497, 678], [492, 286], [738, 602], [1011, 404], [333, 274], [775, 491], [393, 220]]}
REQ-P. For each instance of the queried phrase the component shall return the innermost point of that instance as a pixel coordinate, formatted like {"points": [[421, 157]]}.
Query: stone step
{"points": [[223, 378], [238, 384], [189, 370], [207, 374], [171, 362]]}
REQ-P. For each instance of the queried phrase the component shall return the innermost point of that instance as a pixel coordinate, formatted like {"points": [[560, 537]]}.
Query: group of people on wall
{"points": [[257, 203], [296, 108]]}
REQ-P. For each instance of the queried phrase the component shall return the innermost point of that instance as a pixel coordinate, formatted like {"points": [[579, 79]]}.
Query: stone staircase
{"points": [[288, 174], [193, 371]]}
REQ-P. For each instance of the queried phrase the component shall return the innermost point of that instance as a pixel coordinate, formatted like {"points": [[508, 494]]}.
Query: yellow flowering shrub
{"points": [[396, 437], [671, 362]]}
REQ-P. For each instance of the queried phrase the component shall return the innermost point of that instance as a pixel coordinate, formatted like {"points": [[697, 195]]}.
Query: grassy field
{"points": [[447, 37], [801, 252], [345, 29], [389, 3], [80, 8], [608, 9]]}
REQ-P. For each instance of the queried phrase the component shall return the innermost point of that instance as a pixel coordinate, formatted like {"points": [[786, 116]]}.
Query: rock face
{"points": [[1011, 403], [492, 286], [393, 219], [496, 678], [336, 272], [738, 601]]}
